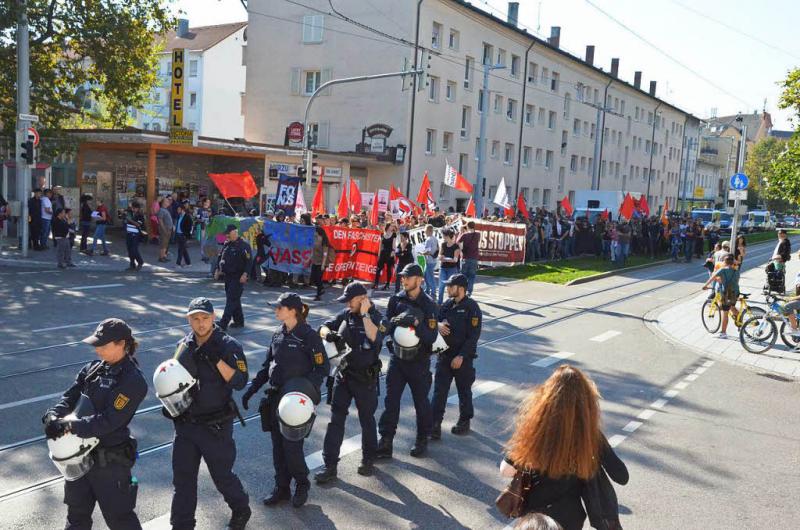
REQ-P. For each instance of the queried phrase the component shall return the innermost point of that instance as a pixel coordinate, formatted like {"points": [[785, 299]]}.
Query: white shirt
{"points": [[49, 205], [775, 252]]}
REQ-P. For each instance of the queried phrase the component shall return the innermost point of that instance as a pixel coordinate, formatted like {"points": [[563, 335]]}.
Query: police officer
{"points": [[296, 351], [411, 308], [110, 390], [205, 429], [234, 262], [460, 325], [356, 379]]}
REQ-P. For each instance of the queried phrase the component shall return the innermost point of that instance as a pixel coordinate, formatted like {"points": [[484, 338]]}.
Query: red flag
{"points": [[604, 215], [373, 217], [521, 206], [471, 208], [627, 207], [355, 197], [508, 212], [341, 211], [318, 204], [456, 180], [425, 195], [403, 203], [566, 205], [664, 218], [643, 206], [235, 184]]}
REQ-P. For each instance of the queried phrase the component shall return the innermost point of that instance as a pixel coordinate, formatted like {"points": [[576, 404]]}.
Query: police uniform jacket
{"points": [[235, 258], [115, 391], [364, 352], [424, 309], [212, 392], [295, 353], [464, 319]]}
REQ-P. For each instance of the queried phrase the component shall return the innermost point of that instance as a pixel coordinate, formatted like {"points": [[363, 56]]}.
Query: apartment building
{"points": [[214, 81], [556, 122]]}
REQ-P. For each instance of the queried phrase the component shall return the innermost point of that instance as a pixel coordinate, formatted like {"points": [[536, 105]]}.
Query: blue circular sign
{"points": [[739, 181]]}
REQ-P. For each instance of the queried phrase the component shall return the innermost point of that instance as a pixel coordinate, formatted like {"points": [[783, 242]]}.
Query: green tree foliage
{"points": [[784, 180], [758, 167], [83, 50]]}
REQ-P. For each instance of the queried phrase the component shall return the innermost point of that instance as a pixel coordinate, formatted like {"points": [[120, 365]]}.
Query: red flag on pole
{"points": [[342, 210], [456, 180], [373, 217], [643, 206], [355, 197], [425, 195], [404, 204], [627, 207], [235, 184], [318, 204], [566, 205], [521, 206], [471, 208], [604, 215], [664, 218]]}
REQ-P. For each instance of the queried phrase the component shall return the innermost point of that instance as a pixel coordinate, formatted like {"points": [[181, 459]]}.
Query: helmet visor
{"points": [[295, 434], [177, 403]]}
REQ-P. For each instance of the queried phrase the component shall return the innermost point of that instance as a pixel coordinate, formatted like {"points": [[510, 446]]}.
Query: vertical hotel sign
{"points": [[176, 106]]}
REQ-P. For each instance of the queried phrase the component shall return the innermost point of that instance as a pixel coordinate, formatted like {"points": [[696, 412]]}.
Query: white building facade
{"points": [[543, 135]]}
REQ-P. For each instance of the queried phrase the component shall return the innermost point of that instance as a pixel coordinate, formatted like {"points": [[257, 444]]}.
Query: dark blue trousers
{"points": [[218, 449], [417, 375], [233, 301], [111, 488], [132, 243], [346, 390], [464, 377], [288, 458]]}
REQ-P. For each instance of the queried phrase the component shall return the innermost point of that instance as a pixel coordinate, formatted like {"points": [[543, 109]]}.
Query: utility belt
{"points": [[124, 454], [268, 408], [368, 375], [213, 419]]}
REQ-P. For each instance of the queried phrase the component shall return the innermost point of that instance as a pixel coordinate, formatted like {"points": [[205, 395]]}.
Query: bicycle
{"points": [[711, 312], [760, 333]]}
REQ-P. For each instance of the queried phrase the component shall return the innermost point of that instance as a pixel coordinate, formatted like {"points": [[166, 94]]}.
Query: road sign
{"points": [[35, 136], [29, 117], [737, 194], [739, 181]]}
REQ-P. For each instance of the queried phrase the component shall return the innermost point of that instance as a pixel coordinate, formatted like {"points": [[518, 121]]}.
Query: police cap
{"points": [[412, 269], [457, 279], [351, 291], [231, 228], [200, 304], [290, 301], [109, 330]]}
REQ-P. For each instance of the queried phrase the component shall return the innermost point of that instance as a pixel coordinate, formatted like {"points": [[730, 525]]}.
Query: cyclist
{"points": [[728, 278]]}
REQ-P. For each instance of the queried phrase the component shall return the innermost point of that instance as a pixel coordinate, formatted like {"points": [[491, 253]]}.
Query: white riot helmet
{"points": [[439, 345], [334, 350], [296, 415], [72, 454], [406, 342], [172, 382]]}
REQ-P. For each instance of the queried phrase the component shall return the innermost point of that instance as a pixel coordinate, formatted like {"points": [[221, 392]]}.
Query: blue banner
{"points": [[286, 196], [290, 247]]}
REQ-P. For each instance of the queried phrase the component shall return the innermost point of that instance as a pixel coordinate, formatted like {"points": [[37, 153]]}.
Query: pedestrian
{"points": [[413, 330], [360, 327], [431, 253], [101, 221], [558, 444], [61, 235], [196, 387], [386, 255], [404, 255], [470, 241], [35, 220], [85, 222], [234, 262], [97, 410], [134, 230], [449, 259], [203, 217], [183, 234], [47, 217], [295, 358], [623, 243], [784, 247], [73, 228], [165, 228], [740, 251], [728, 279], [460, 325], [321, 254]]}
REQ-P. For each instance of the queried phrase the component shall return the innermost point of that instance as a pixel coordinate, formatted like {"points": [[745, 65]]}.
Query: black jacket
{"points": [[187, 225], [785, 250]]}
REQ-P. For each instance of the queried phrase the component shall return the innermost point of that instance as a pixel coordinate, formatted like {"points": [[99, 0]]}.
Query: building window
{"points": [[548, 160], [465, 119], [603, 168], [452, 41], [430, 141], [447, 141], [436, 36], [468, 65], [312, 29], [192, 100], [539, 156], [529, 115], [511, 110], [477, 148], [533, 72], [576, 127], [312, 81], [583, 163], [573, 163], [524, 193], [501, 57], [564, 135], [498, 103], [463, 163], [526, 156], [508, 154], [514, 65], [567, 104], [488, 53], [480, 100], [495, 148], [546, 198], [579, 91], [451, 91], [542, 115], [554, 82], [193, 68], [560, 180], [433, 89], [545, 76], [647, 146], [551, 121], [492, 191], [592, 130]]}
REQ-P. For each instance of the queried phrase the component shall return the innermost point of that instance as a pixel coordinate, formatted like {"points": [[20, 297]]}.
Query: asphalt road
{"points": [[709, 444]]}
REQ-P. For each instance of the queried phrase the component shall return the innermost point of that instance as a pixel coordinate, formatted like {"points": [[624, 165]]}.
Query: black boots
{"points": [[327, 474], [277, 495], [384, 448], [239, 518], [436, 431], [461, 428], [366, 468], [300, 495], [420, 447]]}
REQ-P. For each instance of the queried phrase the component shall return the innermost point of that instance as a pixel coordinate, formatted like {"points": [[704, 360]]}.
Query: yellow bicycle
{"points": [[711, 312]]}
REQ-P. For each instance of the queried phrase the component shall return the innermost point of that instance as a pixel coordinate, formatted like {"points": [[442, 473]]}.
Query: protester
{"points": [[61, 236], [101, 221], [85, 221], [449, 260], [431, 254], [47, 217], [183, 233], [165, 228], [470, 245], [386, 255]]}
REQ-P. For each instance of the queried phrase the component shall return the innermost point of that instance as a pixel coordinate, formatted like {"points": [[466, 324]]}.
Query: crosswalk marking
{"points": [[610, 334], [552, 359]]}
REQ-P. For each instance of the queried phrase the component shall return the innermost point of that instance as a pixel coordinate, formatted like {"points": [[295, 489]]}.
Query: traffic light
{"points": [[424, 79], [29, 152], [301, 172]]}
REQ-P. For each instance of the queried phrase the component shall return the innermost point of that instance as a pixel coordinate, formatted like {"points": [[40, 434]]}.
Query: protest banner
{"points": [[356, 253], [500, 243], [289, 247], [249, 228], [286, 196]]}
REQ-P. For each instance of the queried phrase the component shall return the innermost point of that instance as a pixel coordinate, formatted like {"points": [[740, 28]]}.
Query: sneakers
{"points": [[71, 265], [795, 333], [277, 495], [300, 495], [461, 428], [420, 448], [722, 335], [385, 448], [436, 431], [327, 474], [366, 468], [239, 519]]}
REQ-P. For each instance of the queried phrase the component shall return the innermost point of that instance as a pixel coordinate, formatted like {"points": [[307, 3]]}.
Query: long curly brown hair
{"points": [[558, 427]]}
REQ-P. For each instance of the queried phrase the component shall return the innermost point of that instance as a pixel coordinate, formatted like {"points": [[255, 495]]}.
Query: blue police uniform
{"points": [[233, 262], [416, 372], [205, 430], [115, 392], [357, 379], [464, 319], [295, 353]]}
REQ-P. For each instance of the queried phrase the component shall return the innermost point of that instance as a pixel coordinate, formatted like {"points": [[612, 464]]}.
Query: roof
{"points": [[753, 122], [543, 43], [201, 38], [783, 135]]}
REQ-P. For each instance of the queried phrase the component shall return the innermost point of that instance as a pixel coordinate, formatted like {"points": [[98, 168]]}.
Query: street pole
{"points": [[739, 168], [689, 142], [600, 136], [479, 179], [23, 107], [652, 150]]}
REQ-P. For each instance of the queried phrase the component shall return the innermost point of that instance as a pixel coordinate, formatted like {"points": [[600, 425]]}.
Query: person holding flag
{"points": [[425, 196]]}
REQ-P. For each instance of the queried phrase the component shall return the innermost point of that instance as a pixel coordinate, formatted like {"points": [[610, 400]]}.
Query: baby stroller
{"points": [[776, 277]]}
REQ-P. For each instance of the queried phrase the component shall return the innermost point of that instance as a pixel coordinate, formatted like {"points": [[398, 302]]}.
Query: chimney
{"points": [[513, 12], [590, 54], [637, 79], [653, 88], [183, 27], [555, 36], [615, 67]]}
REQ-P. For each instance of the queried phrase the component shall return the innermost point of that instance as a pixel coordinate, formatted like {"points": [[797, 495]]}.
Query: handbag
{"points": [[511, 501]]}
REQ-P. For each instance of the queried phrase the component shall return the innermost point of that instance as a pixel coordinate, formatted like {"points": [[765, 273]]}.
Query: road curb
{"points": [[601, 275]]}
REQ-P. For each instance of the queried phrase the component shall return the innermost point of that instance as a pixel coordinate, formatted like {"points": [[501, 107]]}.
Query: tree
{"points": [[784, 180], [100, 50], [758, 167]]}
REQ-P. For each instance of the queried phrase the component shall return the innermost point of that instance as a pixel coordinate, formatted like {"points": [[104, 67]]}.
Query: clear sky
{"points": [[743, 48]]}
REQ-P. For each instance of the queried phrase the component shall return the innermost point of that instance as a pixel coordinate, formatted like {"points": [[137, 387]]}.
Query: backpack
{"points": [[729, 294]]}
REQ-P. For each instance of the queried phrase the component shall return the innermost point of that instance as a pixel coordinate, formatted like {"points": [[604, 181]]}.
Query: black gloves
{"points": [[210, 355], [247, 395], [332, 336], [404, 321], [53, 426]]}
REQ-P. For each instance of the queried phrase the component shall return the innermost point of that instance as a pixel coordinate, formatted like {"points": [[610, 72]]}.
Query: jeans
{"points": [[135, 257], [45, 235], [676, 246], [469, 268], [86, 227], [607, 249], [63, 251], [99, 234], [444, 275], [569, 247], [688, 247], [183, 254], [623, 251], [430, 279]]}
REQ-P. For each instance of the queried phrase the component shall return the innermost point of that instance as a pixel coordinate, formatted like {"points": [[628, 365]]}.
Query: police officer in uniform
{"points": [[460, 325], [411, 308], [356, 379], [234, 262], [296, 351], [205, 429], [111, 390]]}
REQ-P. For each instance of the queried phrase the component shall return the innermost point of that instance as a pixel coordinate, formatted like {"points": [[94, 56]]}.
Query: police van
{"points": [[758, 221]]}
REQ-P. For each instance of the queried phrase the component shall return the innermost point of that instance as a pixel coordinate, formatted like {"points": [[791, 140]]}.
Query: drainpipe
{"points": [[601, 134], [521, 117], [415, 79]]}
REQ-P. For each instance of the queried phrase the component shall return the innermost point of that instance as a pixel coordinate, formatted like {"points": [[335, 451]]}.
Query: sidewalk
{"points": [[116, 261], [681, 323]]}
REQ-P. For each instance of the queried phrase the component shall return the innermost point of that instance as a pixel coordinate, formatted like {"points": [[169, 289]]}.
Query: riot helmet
{"points": [[72, 454], [173, 382]]}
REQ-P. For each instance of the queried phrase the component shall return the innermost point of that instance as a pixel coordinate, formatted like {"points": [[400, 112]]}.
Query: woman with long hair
{"points": [[558, 440], [739, 252]]}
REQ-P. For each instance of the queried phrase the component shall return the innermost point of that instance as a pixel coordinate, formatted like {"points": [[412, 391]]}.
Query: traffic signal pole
{"points": [[23, 171], [739, 169]]}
